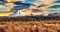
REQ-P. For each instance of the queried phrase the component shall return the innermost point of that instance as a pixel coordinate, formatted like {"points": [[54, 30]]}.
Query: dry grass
{"points": [[37, 26]]}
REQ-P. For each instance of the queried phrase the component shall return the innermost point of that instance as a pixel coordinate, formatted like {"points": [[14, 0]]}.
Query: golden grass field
{"points": [[31, 26]]}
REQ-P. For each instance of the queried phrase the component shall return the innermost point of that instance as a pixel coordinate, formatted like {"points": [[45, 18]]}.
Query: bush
{"points": [[29, 19]]}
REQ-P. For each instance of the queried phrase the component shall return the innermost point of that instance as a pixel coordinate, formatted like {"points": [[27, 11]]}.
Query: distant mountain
{"points": [[51, 15]]}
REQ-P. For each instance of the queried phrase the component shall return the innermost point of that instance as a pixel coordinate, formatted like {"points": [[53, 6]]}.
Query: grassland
{"points": [[16, 24]]}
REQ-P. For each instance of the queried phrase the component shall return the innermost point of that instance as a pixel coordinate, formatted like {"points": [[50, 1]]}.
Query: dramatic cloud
{"points": [[21, 0], [28, 1], [57, 0]]}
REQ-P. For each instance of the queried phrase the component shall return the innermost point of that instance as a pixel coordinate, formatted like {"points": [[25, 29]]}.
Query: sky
{"points": [[33, 0], [28, 1], [57, 0]]}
